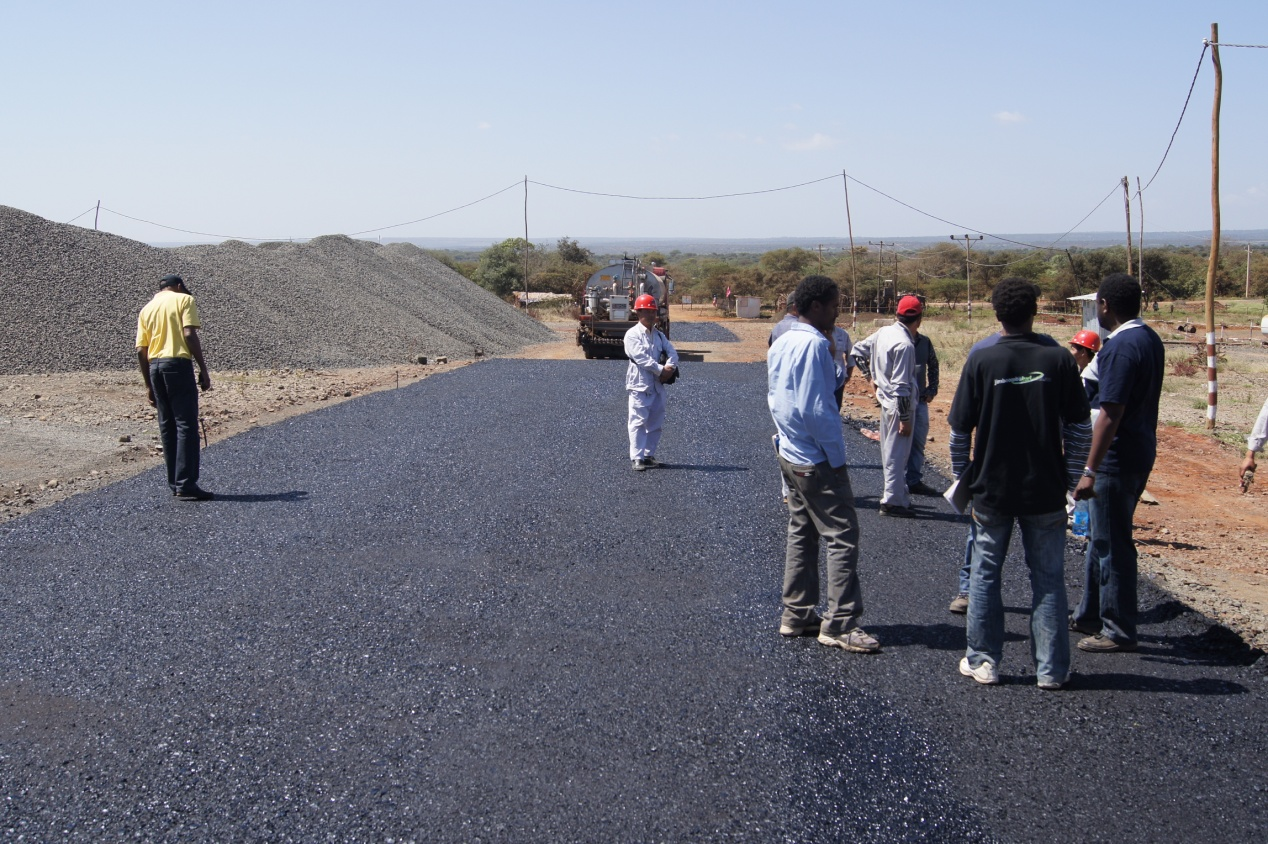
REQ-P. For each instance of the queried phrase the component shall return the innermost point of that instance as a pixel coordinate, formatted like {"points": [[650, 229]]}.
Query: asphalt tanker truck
{"points": [[607, 306]]}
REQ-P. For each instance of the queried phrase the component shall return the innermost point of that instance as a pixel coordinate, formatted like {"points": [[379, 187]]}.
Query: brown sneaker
{"points": [[959, 604], [1100, 644], [856, 641]]}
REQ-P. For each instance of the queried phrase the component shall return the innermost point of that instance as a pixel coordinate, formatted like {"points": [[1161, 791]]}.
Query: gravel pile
{"points": [[69, 298]]}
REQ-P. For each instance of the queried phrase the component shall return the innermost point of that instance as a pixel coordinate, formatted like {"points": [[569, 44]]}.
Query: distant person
{"points": [[788, 321], [167, 345], [841, 347], [1124, 445], [927, 380], [645, 379], [887, 358], [1254, 444], [1084, 346], [1022, 400], [811, 449]]}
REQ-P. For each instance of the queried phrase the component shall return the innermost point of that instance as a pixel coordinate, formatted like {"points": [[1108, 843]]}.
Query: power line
{"points": [[441, 214], [77, 216], [1187, 97], [684, 198]]}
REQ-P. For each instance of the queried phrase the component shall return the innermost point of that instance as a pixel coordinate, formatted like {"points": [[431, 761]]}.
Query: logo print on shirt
{"points": [[1021, 379]]}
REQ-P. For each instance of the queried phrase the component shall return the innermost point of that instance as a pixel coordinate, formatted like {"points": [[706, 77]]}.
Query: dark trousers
{"points": [[176, 398], [821, 507], [1109, 582]]}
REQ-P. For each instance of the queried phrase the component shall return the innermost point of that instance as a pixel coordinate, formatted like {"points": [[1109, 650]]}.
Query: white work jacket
{"points": [[644, 348]]}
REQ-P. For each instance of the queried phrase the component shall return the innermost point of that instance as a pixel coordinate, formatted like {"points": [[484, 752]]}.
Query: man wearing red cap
{"points": [[653, 364], [893, 370]]}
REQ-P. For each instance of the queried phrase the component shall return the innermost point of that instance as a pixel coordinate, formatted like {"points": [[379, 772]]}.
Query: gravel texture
{"points": [[413, 616], [701, 332], [70, 298]]}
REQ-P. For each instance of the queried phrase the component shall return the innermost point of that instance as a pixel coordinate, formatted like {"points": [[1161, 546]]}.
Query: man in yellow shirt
{"points": [[166, 347]]}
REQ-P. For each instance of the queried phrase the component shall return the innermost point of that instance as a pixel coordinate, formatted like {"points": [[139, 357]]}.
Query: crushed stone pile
{"points": [[69, 299]]}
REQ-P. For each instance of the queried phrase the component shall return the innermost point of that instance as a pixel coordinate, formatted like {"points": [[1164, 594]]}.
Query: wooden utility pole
{"points": [[820, 259], [1248, 271], [1127, 207], [968, 281], [1140, 251], [95, 216], [880, 271], [1212, 385], [854, 270], [527, 245]]}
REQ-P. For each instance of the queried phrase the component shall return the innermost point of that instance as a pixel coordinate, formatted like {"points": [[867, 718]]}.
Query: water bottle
{"points": [[1079, 526]]}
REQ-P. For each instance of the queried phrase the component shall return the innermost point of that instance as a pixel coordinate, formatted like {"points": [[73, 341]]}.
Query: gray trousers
{"points": [[821, 506], [895, 449]]}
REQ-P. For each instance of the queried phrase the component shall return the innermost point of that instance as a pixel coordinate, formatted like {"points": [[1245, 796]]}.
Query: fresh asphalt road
{"points": [[452, 613]]}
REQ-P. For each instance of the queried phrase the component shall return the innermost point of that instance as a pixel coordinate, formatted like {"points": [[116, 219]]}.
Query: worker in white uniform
{"points": [[645, 380]]}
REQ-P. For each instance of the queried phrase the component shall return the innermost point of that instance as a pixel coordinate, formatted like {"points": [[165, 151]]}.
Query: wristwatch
{"points": [[1088, 473]]}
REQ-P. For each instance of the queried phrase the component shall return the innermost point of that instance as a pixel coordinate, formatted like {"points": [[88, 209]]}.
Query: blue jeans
{"points": [[966, 570], [1109, 578], [1043, 541], [176, 399], [919, 436]]}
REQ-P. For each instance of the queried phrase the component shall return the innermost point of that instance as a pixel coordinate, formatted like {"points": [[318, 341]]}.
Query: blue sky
{"points": [[288, 119]]}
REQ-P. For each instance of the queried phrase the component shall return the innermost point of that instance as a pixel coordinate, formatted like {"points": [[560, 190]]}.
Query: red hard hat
{"points": [[646, 302], [1088, 339]]}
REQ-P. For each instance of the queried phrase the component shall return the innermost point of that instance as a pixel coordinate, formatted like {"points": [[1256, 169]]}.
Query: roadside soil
{"points": [[60, 435]]}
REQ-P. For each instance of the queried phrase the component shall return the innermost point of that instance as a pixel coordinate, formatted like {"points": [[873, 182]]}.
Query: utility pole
{"points": [[1248, 271], [968, 282], [1127, 208], [820, 259], [880, 270], [1212, 382], [95, 216], [854, 270]]}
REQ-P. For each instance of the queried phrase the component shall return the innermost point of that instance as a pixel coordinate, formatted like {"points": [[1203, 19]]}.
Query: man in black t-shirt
{"points": [[1023, 398]]}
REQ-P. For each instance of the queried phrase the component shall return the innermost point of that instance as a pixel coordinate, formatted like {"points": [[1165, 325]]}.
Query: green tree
{"points": [[500, 269], [571, 252]]}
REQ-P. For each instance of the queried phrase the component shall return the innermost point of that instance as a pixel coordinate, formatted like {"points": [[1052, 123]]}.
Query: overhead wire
{"points": [[1187, 97], [77, 216]]}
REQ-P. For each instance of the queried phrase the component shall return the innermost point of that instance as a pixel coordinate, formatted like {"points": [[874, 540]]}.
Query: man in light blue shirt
{"points": [[811, 447]]}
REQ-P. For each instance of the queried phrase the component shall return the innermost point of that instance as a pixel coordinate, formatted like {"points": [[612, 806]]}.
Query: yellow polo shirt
{"points": [[160, 329]]}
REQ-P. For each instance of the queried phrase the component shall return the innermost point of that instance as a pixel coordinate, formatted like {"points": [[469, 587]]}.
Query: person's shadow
{"points": [[293, 495]]}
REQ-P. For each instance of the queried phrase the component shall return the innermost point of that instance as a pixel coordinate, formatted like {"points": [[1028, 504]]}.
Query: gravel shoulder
{"points": [[63, 434]]}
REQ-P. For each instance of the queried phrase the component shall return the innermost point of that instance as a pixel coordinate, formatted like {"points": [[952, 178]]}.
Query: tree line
{"points": [[937, 271]]}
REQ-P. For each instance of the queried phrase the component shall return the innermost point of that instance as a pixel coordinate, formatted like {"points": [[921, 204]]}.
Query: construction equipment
{"points": [[607, 308]]}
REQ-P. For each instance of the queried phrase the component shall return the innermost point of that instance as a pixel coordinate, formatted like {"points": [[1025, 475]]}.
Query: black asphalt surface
{"points": [[452, 613]]}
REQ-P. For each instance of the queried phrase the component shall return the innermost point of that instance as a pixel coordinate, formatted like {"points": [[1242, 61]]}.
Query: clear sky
{"points": [[295, 119]]}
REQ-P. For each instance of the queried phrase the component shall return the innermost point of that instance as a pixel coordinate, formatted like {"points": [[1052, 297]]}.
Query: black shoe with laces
{"points": [[195, 493]]}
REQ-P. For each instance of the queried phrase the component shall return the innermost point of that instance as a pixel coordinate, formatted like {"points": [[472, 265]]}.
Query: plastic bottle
{"points": [[1079, 525]]}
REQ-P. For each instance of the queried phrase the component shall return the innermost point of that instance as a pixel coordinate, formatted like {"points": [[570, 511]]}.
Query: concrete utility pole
{"points": [[880, 270], [1248, 271], [1127, 209], [968, 282], [820, 259]]}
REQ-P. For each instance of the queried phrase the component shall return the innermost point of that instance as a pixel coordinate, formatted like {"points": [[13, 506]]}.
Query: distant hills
{"points": [[730, 246]]}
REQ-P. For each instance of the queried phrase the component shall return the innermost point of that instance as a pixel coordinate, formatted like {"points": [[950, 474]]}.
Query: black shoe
{"points": [[195, 494], [640, 464], [1084, 628], [922, 488], [652, 463], [897, 510]]}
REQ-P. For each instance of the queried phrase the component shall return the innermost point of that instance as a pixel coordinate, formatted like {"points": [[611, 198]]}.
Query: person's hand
{"points": [[149, 396], [1086, 489], [204, 381], [666, 374], [904, 428], [1248, 465]]}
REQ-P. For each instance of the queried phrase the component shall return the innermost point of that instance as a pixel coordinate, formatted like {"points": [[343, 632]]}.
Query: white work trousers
{"points": [[895, 449], [647, 417]]}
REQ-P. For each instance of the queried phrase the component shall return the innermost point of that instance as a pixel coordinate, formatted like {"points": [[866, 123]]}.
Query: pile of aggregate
{"points": [[69, 298]]}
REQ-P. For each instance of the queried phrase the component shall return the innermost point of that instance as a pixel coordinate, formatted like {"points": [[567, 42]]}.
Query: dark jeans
{"points": [[176, 398], [1109, 582], [821, 507]]}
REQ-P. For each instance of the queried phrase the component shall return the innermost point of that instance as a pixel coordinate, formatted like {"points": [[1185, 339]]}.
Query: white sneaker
{"points": [[984, 673]]}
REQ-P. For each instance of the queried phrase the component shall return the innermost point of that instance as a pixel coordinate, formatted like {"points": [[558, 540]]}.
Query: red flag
{"points": [[728, 293]]}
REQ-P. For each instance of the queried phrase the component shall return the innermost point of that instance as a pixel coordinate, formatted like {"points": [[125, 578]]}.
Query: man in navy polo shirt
{"points": [[1124, 445]]}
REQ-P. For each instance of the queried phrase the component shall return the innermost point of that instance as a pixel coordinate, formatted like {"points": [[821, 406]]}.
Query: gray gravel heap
{"points": [[69, 297]]}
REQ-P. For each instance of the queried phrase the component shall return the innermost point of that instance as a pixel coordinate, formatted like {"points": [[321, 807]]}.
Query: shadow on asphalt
{"points": [[293, 495], [690, 467], [935, 637], [1140, 683]]}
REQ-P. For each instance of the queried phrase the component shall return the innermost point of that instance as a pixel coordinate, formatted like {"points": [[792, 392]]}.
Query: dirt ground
{"points": [[64, 434]]}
